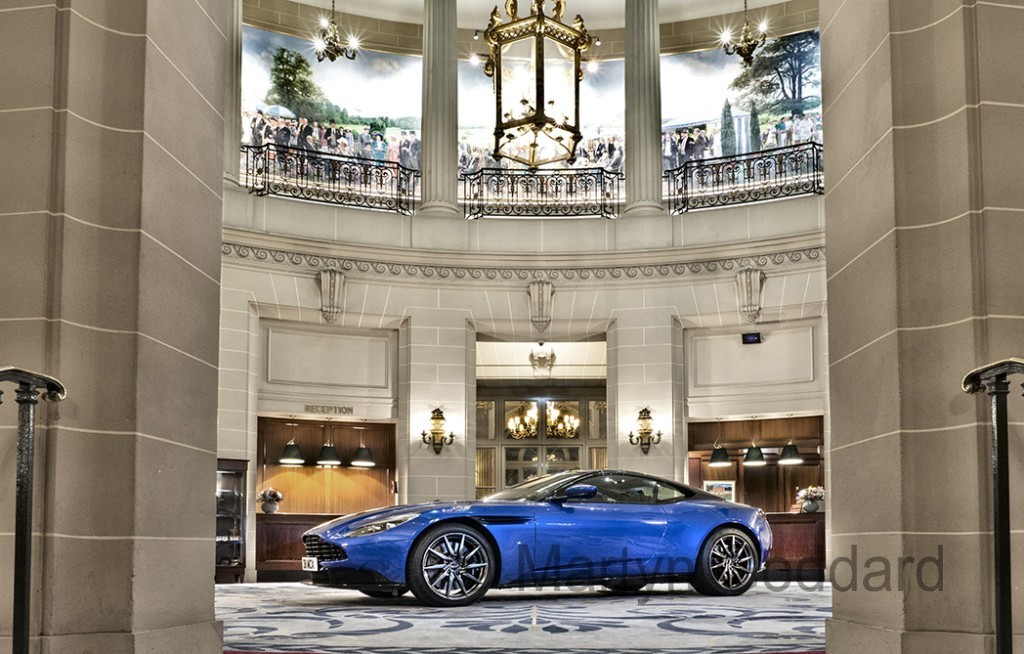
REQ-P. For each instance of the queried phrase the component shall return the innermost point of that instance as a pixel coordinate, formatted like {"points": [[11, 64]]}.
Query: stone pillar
{"points": [[642, 354], [110, 223], [440, 144], [437, 359], [643, 109], [923, 225]]}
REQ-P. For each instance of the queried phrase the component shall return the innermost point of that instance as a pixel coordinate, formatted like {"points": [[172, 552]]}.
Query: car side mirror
{"points": [[580, 492]]}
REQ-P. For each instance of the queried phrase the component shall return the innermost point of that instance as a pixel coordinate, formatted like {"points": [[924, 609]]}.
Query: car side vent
{"points": [[322, 550]]}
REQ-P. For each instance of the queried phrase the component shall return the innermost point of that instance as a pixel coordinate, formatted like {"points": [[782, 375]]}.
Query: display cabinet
{"points": [[230, 520]]}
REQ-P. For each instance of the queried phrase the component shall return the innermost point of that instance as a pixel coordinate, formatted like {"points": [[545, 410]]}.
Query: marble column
{"points": [[923, 106], [643, 109], [234, 131], [110, 229], [439, 154]]}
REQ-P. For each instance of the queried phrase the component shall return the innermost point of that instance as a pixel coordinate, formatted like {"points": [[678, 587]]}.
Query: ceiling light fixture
{"points": [[535, 64], [747, 44], [327, 41]]}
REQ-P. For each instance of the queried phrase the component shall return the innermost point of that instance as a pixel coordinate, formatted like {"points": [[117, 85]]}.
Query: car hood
{"points": [[433, 510]]}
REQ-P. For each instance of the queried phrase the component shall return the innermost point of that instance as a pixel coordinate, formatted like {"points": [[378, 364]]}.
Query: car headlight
{"points": [[377, 526]]}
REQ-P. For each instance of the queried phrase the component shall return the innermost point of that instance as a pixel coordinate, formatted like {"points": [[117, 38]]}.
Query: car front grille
{"points": [[322, 550]]}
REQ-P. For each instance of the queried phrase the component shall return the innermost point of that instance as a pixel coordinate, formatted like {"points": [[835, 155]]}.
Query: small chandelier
{"points": [[327, 41], [645, 436], [561, 425], [747, 44], [523, 425], [436, 435], [535, 64]]}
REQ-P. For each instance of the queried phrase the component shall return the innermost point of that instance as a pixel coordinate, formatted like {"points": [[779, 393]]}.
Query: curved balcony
{"points": [[284, 171]]}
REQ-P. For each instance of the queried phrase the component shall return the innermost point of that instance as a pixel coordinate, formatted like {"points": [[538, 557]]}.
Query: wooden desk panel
{"points": [[279, 539], [799, 541]]}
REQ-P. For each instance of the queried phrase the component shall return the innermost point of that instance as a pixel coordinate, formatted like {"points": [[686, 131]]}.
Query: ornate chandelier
{"points": [[562, 425], [535, 64], [524, 425], [747, 44], [327, 41]]}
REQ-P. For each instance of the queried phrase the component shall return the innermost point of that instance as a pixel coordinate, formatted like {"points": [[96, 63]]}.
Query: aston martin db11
{"points": [[618, 529]]}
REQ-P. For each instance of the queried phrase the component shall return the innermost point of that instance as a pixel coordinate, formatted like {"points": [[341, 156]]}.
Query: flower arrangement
{"points": [[270, 494], [811, 493]]}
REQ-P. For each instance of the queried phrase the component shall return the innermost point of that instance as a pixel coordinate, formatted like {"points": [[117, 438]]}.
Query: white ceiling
{"points": [[598, 14]]}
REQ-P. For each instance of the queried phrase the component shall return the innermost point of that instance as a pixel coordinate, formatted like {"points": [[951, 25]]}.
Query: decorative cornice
{"points": [[317, 262]]}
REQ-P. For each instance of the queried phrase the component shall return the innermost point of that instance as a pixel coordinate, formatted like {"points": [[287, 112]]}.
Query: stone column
{"points": [[923, 225], [643, 109], [110, 224], [642, 355], [439, 155], [437, 359]]}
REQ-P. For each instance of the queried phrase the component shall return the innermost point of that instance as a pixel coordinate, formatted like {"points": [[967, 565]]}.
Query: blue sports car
{"points": [[619, 529]]}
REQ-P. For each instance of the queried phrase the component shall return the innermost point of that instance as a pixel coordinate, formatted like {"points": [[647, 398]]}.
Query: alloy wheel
{"points": [[455, 565]]}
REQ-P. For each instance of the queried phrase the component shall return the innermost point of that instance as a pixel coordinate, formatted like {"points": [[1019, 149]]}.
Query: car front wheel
{"points": [[452, 565], [727, 564]]}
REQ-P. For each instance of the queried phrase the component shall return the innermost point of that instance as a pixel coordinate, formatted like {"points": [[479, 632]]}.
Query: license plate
{"points": [[310, 564]]}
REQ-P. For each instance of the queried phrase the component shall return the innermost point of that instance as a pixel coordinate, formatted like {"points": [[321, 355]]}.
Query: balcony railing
{"points": [[335, 179], [563, 193], [752, 177]]}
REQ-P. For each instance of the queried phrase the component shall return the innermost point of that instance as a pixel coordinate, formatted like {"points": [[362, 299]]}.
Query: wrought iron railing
{"points": [[311, 175], [752, 177], [558, 193]]}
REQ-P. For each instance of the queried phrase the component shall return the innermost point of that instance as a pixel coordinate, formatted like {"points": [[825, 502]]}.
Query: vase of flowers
{"points": [[269, 497], [810, 498]]}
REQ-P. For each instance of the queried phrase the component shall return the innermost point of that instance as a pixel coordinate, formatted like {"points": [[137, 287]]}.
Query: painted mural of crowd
{"points": [[330, 138], [703, 142]]}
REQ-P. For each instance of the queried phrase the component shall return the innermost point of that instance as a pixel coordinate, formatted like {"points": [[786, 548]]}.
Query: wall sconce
{"points": [[644, 434], [436, 435], [292, 456]]}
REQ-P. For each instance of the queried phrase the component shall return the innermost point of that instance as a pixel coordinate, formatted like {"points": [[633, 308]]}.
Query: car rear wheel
{"points": [[452, 565], [384, 593], [727, 564]]}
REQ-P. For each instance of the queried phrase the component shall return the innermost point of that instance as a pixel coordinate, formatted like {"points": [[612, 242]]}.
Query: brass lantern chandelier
{"points": [[327, 41], [535, 64], [747, 44]]}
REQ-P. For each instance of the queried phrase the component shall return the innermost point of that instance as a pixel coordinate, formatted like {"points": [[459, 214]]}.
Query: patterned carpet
{"points": [[299, 619]]}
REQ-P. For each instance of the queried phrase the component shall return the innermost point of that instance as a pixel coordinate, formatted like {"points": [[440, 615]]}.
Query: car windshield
{"points": [[533, 489]]}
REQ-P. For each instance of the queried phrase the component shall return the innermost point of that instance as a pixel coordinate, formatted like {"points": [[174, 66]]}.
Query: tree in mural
{"points": [[292, 85], [728, 134], [755, 128], [782, 74]]}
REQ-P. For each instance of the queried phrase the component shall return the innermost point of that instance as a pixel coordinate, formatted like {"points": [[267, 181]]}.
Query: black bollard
{"points": [[992, 379], [27, 397]]}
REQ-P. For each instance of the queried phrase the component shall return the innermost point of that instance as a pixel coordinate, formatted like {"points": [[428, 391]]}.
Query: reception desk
{"points": [[798, 550]]}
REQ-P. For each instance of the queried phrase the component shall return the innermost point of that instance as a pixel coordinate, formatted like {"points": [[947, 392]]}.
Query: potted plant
{"points": [[809, 498], [269, 497]]}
